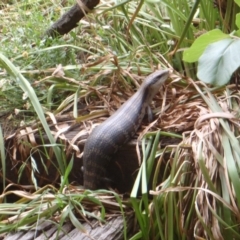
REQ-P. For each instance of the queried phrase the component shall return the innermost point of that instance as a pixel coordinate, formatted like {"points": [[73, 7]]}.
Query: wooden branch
{"points": [[69, 20]]}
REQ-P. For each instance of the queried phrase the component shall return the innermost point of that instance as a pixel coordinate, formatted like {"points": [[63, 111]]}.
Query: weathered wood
{"points": [[113, 229]]}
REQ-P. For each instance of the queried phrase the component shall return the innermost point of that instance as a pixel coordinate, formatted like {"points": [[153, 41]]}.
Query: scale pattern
{"points": [[118, 129]]}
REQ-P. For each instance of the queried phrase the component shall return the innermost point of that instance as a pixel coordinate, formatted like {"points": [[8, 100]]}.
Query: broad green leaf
{"points": [[193, 53], [238, 20], [237, 2], [237, 33], [219, 61]]}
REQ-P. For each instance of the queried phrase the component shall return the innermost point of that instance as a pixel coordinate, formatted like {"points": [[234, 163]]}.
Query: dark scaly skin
{"points": [[118, 129]]}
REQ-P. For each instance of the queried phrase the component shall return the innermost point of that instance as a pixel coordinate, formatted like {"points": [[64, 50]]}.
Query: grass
{"points": [[48, 203], [194, 191]]}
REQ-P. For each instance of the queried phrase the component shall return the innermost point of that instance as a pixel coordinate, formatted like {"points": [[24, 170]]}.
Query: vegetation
{"points": [[195, 188]]}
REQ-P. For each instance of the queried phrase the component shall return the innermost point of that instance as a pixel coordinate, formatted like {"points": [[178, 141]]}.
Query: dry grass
{"points": [[198, 194], [204, 177]]}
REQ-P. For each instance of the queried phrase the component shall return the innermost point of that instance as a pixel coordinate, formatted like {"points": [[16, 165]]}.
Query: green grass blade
{"points": [[231, 166], [27, 88], [151, 159], [3, 158]]}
